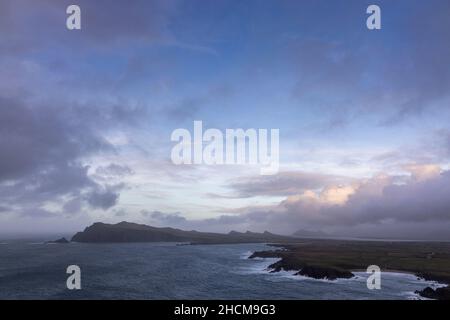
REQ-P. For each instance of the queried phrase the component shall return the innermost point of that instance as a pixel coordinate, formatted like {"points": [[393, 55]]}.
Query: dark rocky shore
{"points": [[291, 264], [335, 259], [437, 294]]}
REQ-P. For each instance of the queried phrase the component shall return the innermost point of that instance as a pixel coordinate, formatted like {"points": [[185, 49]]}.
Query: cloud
{"points": [[72, 206], [46, 140], [41, 151], [423, 172], [25, 24], [388, 77], [120, 212], [165, 219], [424, 199], [37, 213], [114, 170], [421, 197], [52, 124], [414, 206], [283, 184], [102, 199]]}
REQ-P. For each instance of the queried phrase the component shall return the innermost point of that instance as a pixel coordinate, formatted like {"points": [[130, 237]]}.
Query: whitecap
{"points": [[246, 255]]}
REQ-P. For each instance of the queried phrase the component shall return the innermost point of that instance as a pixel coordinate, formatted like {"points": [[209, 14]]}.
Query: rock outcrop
{"points": [[318, 272], [437, 294]]}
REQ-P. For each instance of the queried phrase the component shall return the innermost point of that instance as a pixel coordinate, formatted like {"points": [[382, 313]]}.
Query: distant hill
{"points": [[310, 234], [132, 232]]}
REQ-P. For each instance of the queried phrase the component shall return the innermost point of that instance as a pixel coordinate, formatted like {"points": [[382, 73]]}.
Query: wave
{"points": [[246, 255], [259, 266]]}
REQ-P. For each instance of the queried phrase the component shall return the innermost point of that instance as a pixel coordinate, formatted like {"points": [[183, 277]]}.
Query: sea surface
{"points": [[35, 270]]}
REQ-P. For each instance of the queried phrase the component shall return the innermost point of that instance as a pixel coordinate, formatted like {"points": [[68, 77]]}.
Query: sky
{"points": [[86, 115]]}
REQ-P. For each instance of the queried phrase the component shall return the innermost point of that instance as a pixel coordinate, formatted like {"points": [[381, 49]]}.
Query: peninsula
{"points": [[132, 232]]}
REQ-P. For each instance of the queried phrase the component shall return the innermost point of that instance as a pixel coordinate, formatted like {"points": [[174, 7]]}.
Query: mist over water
{"points": [[34, 270]]}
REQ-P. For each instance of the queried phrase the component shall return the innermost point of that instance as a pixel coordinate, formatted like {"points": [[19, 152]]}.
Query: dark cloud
{"points": [[120, 212], [25, 25], [30, 30], [73, 206], [51, 123], [37, 137], [43, 145], [102, 199], [41, 149]]}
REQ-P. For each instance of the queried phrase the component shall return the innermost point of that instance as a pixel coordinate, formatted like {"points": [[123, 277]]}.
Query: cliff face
{"points": [[132, 232]]}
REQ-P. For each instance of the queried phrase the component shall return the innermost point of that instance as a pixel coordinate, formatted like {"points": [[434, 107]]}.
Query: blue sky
{"points": [[87, 114]]}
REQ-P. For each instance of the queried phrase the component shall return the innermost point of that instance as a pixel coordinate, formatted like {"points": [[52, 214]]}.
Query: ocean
{"points": [[35, 270]]}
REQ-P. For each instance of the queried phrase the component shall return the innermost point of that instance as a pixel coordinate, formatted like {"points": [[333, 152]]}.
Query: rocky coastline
{"points": [[311, 271]]}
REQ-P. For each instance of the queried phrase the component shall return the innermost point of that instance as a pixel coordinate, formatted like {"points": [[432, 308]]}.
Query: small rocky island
{"points": [[61, 240], [336, 259]]}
